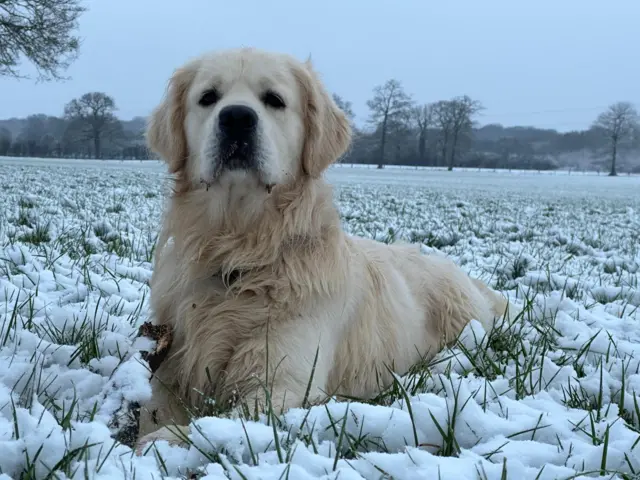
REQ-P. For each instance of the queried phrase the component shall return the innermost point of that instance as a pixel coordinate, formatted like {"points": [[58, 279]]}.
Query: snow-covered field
{"points": [[552, 396]]}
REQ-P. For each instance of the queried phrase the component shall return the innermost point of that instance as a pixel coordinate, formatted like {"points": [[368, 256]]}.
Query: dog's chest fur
{"points": [[213, 320], [275, 278]]}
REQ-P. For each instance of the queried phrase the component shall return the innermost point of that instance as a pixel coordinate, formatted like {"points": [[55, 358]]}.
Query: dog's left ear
{"points": [[327, 130]]}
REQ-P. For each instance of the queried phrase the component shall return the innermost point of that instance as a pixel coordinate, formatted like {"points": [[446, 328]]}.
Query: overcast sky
{"points": [[548, 63]]}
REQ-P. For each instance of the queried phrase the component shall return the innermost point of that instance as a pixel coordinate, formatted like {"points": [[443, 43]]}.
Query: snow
{"points": [[551, 396]]}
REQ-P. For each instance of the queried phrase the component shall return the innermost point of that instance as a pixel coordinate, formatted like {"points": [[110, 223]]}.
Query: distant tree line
{"points": [[397, 131], [446, 134], [89, 128]]}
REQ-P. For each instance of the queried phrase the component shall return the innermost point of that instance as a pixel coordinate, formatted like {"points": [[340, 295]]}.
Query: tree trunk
{"points": [[383, 142], [452, 158], [422, 146], [614, 153], [96, 144], [445, 144]]}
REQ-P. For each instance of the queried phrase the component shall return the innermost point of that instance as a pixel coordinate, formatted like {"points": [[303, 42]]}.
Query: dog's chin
{"points": [[236, 176]]}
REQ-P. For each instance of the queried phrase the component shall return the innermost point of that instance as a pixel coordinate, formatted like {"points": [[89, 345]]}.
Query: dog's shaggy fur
{"points": [[253, 272]]}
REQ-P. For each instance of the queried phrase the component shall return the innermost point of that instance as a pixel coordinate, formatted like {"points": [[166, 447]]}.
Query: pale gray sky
{"points": [[548, 63]]}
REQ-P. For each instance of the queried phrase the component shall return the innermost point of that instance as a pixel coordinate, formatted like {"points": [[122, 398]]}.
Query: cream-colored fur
{"points": [[255, 281]]}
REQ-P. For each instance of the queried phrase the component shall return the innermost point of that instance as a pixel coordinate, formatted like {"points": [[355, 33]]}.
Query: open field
{"points": [[552, 396]]}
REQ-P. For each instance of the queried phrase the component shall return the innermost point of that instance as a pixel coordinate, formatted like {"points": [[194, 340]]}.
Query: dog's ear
{"points": [[327, 130], [165, 130]]}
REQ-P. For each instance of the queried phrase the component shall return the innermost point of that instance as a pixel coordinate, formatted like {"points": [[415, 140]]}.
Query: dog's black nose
{"points": [[237, 120]]}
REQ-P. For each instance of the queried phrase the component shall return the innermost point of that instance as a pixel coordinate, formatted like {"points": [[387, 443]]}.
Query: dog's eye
{"points": [[273, 100], [209, 97]]}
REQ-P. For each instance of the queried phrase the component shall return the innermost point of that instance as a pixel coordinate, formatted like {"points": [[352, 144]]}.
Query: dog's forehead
{"points": [[257, 70]]}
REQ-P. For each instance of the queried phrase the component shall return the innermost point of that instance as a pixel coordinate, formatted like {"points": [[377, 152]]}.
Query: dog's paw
{"points": [[174, 435]]}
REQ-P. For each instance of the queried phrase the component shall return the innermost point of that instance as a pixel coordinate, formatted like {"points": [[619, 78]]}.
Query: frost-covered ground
{"points": [[552, 396]]}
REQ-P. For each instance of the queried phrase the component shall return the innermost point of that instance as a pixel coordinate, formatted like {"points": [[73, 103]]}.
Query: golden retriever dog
{"points": [[253, 271]]}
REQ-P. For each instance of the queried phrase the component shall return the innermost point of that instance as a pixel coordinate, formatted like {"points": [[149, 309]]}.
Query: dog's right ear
{"points": [[165, 130]]}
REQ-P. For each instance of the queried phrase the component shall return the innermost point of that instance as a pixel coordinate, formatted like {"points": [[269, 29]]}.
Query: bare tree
{"points": [[443, 120], [618, 123], [390, 104], [423, 117], [93, 115], [40, 31], [461, 116]]}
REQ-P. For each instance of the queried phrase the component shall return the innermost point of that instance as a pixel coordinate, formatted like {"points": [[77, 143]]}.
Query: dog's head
{"points": [[246, 118]]}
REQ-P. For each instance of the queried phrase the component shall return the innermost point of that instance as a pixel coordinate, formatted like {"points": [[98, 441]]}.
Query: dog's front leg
{"points": [[277, 369], [165, 410]]}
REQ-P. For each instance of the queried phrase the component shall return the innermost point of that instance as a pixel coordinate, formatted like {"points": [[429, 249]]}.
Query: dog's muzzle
{"points": [[237, 125]]}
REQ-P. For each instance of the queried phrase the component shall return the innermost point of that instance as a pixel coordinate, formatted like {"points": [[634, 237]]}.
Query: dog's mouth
{"points": [[237, 155], [211, 183], [236, 162]]}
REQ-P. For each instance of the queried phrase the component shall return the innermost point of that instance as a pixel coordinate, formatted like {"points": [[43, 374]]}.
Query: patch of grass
{"points": [[26, 203], [116, 208], [37, 236]]}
